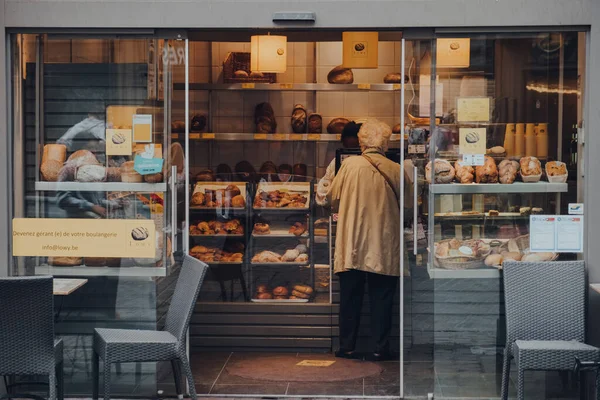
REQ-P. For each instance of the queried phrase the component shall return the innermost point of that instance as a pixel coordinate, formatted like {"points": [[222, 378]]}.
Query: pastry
{"points": [[315, 123], [255, 74], [394, 77], [299, 119], [397, 129], [530, 166], [90, 173], [261, 229], [50, 170], [128, 173], [337, 125], [496, 151], [83, 157], [198, 123], [494, 213], [300, 295], [511, 256], [194, 231], [464, 173], [537, 210], [266, 257], [204, 228], [340, 75], [303, 289], [154, 178], [302, 258], [65, 261], [554, 168], [262, 289], [444, 172], [232, 226], [507, 170], [298, 229], [233, 190], [200, 250], [238, 201], [281, 291], [533, 257], [525, 211], [290, 255], [493, 260], [235, 257], [488, 172], [264, 296], [198, 199], [55, 152]]}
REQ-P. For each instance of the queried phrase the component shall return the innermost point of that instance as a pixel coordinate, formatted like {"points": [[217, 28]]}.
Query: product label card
{"points": [[576, 208], [72, 237], [473, 109], [569, 231], [147, 166], [472, 140], [473, 159], [416, 149], [142, 128], [118, 142], [315, 363], [542, 233]]}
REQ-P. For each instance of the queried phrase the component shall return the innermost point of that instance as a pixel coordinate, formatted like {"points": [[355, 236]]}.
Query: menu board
{"points": [[473, 109], [556, 233]]}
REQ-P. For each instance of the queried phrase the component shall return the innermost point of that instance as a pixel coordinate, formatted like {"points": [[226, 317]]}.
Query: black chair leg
{"points": [[176, 364], [60, 381], [95, 375]]}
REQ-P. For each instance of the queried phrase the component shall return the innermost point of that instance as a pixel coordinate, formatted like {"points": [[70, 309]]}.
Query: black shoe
{"points": [[383, 356], [351, 355]]}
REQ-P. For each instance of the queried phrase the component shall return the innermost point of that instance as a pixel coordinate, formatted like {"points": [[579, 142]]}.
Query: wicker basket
{"points": [[241, 62], [460, 262]]}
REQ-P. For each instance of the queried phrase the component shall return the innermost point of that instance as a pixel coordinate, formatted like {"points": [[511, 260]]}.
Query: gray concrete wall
{"points": [[330, 13]]}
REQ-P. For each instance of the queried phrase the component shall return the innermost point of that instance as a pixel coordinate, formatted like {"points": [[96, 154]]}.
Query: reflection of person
{"points": [[349, 141], [367, 248], [285, 173]]}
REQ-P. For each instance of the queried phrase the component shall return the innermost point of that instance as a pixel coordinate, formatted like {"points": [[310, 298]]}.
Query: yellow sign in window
{"points": [[142, 128]]}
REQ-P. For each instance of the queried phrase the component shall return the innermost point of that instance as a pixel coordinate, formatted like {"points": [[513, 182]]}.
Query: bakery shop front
{"points": [[234, 146]]}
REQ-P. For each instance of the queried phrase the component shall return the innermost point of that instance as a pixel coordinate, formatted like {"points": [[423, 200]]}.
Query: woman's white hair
{"points": [[374, 134]]}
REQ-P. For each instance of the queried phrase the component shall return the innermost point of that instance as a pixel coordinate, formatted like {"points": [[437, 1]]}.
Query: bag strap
{"points": [[387, 178]]}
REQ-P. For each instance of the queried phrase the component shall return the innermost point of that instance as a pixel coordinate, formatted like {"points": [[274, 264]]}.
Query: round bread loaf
{"points": [[299, 119], [90, 173], [340, 75], [198, 123], [256, 75], [154, 178], [315, 123], [337, 125], [394, 77], [240, 74], [67, 172], [83, 157], [113, 174]]}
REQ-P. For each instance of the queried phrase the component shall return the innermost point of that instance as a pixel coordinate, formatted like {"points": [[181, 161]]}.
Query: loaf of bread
{"points": [[128, 173], [488, 172], [464, 173], [50, 170], [56, 152], [508, 170], [264, 118], [493, 260], [394, 77], [315, 123], [91, 173], [153, 178], [556, 168], [443, 172], [82, 157], [198, 123], [240, 74], [530, 166], [299, 119], [340, 75], [337, 125], [397, 128]]}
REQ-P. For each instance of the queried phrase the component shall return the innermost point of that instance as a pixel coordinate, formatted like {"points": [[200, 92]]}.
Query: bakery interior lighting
{"points": [[541, 88], [268, 53]]}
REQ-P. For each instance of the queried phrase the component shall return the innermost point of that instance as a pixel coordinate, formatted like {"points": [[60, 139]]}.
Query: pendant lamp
{"points": [[360, 49], [268, 54]]}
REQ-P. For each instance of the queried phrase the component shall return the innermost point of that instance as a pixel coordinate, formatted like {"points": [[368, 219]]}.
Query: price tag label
{"points": [[296, 136], [338, 136], [248, 85], [314, 136], [397, 86], [364, 86], [473, 159], [208, 136], [194, 136], [286, 86], [175, 136], [260, 136], [416, 149], [279, 136], [395, 137]]}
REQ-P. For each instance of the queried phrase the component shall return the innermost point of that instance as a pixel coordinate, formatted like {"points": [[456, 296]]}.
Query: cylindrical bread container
{"points": [[519, 140], [542, 146], [509, 139], [530, 140]]}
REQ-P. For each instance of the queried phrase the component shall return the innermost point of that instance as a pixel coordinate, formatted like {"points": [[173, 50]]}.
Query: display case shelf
{"points": [[100, 187], [274, 137], [82, 270], [517, 187], [484, 273], [308, 87]]}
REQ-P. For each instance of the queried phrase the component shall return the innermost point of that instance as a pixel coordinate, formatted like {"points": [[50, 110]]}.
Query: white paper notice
{"points": [[569, 231], [542, 233]]}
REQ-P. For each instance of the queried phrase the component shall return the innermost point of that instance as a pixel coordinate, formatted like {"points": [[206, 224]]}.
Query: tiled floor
{"points": [[448, 373]]}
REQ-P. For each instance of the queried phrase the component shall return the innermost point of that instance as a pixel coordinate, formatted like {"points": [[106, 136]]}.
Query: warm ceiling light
{"points": [[268, 54], [360, 49]]}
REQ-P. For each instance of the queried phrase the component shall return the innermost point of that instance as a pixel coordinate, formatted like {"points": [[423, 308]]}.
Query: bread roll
{"points": [[82, 157], [444, 172], [153, 178], [394, 77], [240, 74], [50, 170], [198, 123], [496, 150], [511, 256], [56, 152], [262, 289], [264, 296], [556, 168], [397, 128], [337, 125], [280, 291], [464, 173], [340, 75], [488, 172], [264, 118], [303, 289], [299, 119], [256, 75], [493, 260], [315, 123], [300, 295], [113, 174]]}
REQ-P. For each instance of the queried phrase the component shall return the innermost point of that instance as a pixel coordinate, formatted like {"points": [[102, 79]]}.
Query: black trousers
{"points": [[381, 297]]}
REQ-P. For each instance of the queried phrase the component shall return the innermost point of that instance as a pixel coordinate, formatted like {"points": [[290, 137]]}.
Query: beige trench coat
{"points": [[368, 228]]}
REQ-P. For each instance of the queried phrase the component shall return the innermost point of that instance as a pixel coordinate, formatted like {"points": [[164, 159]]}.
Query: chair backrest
{"points": [[26, 325], [545, 300], [184, 298]]}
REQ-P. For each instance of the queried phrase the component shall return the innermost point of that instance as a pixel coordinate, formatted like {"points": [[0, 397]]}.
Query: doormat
{"points": [[286, 368]]}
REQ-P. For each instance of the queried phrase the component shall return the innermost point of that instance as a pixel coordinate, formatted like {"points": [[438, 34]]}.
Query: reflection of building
{"points": [[527, 76]]}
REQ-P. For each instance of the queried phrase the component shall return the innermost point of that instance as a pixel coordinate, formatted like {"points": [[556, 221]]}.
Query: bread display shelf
{"points": [[202, 208], [482, 273], [508, 215], [101, 187], [280, 233], [281, 264], [279, 300], [82, 270], [217, 263], [275, 137], [374, 87], [218, 236], [517, 187], [302, 188]]}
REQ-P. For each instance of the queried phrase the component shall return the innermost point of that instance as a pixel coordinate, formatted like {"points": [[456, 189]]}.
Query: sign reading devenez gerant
{"points": [[71, 237]]}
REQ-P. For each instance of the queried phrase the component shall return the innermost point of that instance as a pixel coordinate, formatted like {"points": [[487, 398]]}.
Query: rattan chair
{"points": [[128, 345], [27, 343], [545, 318]]}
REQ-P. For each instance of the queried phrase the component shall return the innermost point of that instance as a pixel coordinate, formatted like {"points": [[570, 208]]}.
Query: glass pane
{"points": [[505, 148], [97, 189]]}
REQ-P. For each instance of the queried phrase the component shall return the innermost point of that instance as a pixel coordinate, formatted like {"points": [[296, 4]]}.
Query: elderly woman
{"points": [[365, 193]]}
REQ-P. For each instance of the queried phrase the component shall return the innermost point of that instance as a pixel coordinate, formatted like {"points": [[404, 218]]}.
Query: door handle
{"points": [[174, 208], [415, 209]]}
